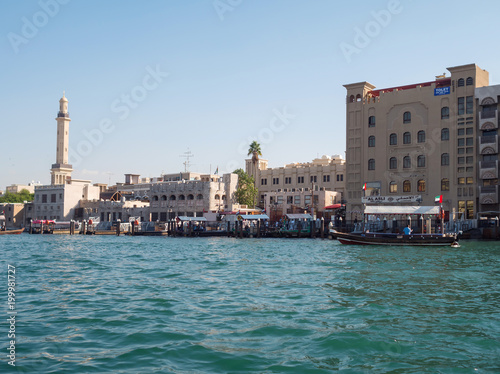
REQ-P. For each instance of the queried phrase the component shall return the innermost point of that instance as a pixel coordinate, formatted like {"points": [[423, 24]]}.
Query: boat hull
{"points": [[395, 239], [12, 232]]}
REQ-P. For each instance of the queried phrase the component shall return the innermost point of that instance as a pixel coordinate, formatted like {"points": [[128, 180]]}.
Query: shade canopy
{"points": [[333, 206], [298, 216], [391, 209], [185, 218], [253, 216]]}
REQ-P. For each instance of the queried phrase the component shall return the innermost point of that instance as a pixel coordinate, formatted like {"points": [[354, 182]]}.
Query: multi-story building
{"points": [[13, 214], [487, 99], [419, 140], [192, 198], [291, 186], [16, 188]]}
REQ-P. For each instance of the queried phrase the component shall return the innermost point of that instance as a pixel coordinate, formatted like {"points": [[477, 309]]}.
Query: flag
{"points": [[217, 170], [364, 187], [438, 199]]}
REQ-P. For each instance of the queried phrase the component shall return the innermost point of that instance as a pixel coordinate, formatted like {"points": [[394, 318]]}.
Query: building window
{"points": [[340, 177], [289, 199], [421, 161], [263, 182], [371, 141], [461, 180], [461, 107], [288, 180], [276, 181], [406, 162], [406, 117], [469, 160], [445, 112], [445, 134], [371, 121], [421, 185], [351, 99], [300, 179], [371, 164], [461, 160], [421, 136], [469, 81], [199, 197], [460, 82], [393, 163], [461, 151], [469, 141], [393, 187], [296, 199], [469, 105], [406, 138], [461, 132], [488, 111], [406, 186], [326, 178], [470, 180], [461, 142], [53, 198], [314, 178], [358, 97], [44, 198], [445, 184], [172, 198], [393, 139], [469, 131]]}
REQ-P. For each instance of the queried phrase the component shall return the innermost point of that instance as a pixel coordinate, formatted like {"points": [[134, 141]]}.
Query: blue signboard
{"points": [[442, 91]]}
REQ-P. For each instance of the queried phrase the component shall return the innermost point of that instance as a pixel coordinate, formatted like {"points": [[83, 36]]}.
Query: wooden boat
{"points": [[11, 232], [395, 239]]}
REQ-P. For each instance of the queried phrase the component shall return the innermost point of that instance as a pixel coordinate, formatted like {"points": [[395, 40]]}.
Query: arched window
{"points": [[445, 112], [445, 184], [371, 141], [217, 197], [406, 117], [199, 197], [393, 187], [371, 164], [407, 138], [371, 121], [155, 198], [421, 161], [406, 186], [224, 197], [163, 198], [406, 162], [172, 197], [190, 197], [421, 185], [460, 82], [393, 163], [421, 136], [358, 97], [445, 159], [182, 197], [469, 81], [351, 99], [393, 139], [445, 134]]}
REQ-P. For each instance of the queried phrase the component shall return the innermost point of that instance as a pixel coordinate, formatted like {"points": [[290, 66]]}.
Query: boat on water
{"points": [[372, 238], [11, 232], [427, 235]]}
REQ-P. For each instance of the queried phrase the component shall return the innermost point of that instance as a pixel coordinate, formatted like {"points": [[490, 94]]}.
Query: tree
{"points": [[19, 197], [255, 151], [246, 192]]}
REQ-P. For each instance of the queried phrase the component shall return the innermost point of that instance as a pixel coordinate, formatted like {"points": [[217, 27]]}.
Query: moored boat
{"points": [[395, 239], [11, 232]]}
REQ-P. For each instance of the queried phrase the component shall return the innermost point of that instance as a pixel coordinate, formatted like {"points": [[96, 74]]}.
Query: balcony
{"points": [[62, 115], [488, 121], [488, 145], [488, 169], [488, 195]]}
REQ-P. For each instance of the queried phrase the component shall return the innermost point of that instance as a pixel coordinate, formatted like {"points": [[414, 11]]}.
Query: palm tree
{"points": [[255, 151]]}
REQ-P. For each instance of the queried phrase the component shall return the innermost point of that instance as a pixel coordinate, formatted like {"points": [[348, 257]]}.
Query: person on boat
{"points": [[407, 230]]}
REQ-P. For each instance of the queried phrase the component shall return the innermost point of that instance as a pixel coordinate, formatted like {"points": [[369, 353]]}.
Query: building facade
{"points": [[417, 140], [298, 180], [13, 214]]}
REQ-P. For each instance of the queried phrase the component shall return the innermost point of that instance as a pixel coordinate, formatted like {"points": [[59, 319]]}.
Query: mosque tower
{"points": [[61, 170]]}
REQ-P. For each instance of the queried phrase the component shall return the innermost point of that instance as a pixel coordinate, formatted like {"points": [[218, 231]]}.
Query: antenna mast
{"points": [[187, 155]]}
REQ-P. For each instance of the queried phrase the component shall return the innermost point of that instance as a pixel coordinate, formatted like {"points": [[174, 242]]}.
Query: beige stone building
{"points": [[13, 213], [288, 189], [16, 188], [422, 139]]}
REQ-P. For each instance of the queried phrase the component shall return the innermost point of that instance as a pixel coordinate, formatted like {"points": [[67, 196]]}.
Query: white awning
{"points": [[184, 218], [254, 216], [299, 216], [384, 209]]}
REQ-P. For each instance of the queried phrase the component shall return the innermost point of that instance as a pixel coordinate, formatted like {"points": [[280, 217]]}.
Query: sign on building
{"points": [[441, 91], [391, 199]]}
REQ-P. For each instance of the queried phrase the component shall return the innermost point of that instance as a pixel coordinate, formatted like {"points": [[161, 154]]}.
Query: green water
{"points": [[223, 305]]}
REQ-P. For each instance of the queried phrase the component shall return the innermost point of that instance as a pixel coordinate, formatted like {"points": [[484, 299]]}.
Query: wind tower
{"points": [[61, 170]]}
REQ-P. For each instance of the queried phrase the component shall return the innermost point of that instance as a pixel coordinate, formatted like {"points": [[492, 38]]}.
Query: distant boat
{"points": [[11, 232], [371, 238]]}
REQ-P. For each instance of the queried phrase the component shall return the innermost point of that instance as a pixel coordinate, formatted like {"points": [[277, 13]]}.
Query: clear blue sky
{"points": [[238, 70]]}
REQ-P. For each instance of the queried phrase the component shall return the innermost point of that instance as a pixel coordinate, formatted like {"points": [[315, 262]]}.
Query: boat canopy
{"points": [[253, 216], [185, 218], [298, 216], [393, 209]]}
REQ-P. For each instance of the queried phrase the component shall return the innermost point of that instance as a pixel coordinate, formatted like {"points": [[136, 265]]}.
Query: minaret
{"points": [[61, 170]]}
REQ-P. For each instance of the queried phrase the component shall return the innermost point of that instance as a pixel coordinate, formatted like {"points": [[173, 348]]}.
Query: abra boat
{"points": [[11, 232], [370, 238]]}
